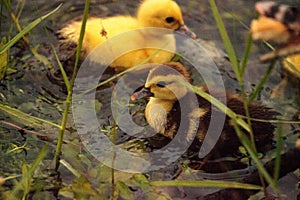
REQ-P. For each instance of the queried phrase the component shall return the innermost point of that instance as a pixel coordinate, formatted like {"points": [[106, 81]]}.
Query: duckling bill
{"points": [[151, 13], [163, 111]]}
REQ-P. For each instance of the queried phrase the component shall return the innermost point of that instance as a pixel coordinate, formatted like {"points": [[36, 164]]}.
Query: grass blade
{"points": [[220, 106], [3, 59], [249, 147], [69, 97], [15, 39], [246, 54], [23, 186], [62, 70], [206, 183], [238, 122], [226, 40], [24, 118], [259, 87]]}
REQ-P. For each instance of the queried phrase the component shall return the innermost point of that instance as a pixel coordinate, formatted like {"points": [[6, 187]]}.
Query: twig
{"points": [[42, 136], [281, 52]]}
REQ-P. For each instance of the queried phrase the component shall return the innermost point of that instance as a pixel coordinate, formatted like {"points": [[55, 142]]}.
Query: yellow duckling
{"points": [[292, 65], [163, 111], [151, 13]]}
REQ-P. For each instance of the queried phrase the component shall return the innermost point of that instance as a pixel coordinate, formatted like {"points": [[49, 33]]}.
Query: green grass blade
{"points": [[246, 54], [238, 122], [70, 168], [62, 70], [20, 9], [292, 66], [3, 59], [226, 40], [23, 186], [15, 39], [39, 158], [80, 39], [220, 106], [24, 118], [69, 97], [259, 87], [206, 183], [249, 147]]}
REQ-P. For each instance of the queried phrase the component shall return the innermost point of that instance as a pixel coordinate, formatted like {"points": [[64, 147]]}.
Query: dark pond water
{"points": [[31, 90]]}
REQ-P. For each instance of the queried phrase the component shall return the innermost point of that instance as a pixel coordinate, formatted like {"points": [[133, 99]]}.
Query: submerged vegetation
{"points": [[41, 154]]}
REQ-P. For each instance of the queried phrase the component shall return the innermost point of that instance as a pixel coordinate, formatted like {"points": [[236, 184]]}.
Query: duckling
{"points": [[163, 111], [280, 23], [277, 23], [151, 13]]}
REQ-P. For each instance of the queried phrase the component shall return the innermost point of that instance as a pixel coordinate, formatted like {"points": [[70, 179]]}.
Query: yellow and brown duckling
{"points": [[279, 23], [169, 99], [151, 13]]}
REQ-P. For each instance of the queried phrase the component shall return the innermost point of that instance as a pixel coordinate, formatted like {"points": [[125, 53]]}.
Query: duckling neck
{"points": [[156, 113], [161, 38], [155, 32]]}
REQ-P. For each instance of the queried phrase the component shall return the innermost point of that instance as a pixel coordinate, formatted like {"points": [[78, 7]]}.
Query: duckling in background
{"points": [[163, 111], [279, 23], [151, 13]]}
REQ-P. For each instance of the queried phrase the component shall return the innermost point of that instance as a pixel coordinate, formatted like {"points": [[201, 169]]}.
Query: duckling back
{"points": [[97, 30], [229, 142]]}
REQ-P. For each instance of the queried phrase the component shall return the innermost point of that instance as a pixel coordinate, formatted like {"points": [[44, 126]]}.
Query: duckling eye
{"points": [[161, 84], [170, 19]]}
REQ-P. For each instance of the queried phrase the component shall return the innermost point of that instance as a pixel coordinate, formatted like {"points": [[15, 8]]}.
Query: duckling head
{"points": [[162, 14], [165, 82]]}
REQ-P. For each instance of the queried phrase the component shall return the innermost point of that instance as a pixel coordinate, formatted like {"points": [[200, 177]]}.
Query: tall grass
{"points": [[239, 69], [23, 31], [69, 85], [238, 122], [24, 185]]}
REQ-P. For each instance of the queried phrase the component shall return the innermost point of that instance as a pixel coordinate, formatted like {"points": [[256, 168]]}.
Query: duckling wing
{"points": [[262, 130], [228, 142], [97, 30]]}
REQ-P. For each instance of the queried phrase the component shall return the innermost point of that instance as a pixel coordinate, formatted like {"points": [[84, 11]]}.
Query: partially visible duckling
{"points": [[163, 111], [151, 13], [277, 22], [280, 23], [292, 65], [268, 29]]}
